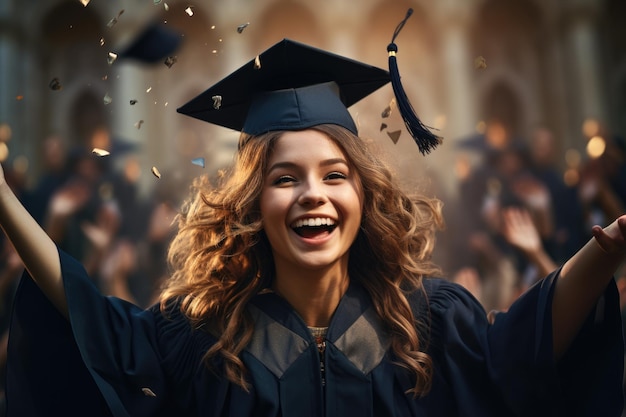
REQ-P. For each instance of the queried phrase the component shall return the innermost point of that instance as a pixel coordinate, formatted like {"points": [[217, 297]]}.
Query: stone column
{"points": [[459, 96], [582, 43]]}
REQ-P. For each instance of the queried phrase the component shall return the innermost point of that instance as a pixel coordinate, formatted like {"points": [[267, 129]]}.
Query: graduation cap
{"points": [[293, 86], [155, 43]]}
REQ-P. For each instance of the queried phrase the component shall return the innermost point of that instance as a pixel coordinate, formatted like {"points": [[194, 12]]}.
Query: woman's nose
{"points": [[312, 193]]}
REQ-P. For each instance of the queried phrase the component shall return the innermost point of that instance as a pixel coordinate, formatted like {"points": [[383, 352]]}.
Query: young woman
{"points": [[301, 287]]}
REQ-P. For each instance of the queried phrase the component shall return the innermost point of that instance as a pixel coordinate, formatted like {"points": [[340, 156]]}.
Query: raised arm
{"points": [[583, 279], [37, 251]]}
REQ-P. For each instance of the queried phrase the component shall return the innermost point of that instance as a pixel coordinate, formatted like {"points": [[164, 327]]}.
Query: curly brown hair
{"points": [[221, 259]]}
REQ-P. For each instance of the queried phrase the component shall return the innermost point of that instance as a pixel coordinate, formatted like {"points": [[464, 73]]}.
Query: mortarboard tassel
{"points": [[425, 139]]}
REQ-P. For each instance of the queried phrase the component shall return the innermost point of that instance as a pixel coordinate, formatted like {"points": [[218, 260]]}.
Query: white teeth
{"points": [[318, 221]]}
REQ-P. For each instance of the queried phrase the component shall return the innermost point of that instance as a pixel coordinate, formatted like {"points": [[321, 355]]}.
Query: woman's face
{"points": [[311, 202]]}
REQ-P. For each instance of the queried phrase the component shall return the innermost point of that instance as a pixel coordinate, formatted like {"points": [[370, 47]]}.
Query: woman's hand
{"points": [[612, 239]]}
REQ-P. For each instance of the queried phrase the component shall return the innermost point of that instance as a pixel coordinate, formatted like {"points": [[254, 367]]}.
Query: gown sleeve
{"points": [[110, 358], [508, 364]]}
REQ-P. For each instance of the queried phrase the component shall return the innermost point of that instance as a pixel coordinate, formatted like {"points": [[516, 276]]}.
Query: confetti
{"points": [[387, 112], [156, 172], [395, 135], [149, 89], [166, 7], [383, 126], [55, 84], [85, 2], [111, 58], [133, 102], [148, 392], [240, 28], [107, 99], [170, 60], [480, 63], [257, 62], [20, 97], [198, 161], [189, 11], [217, 102], [102, 42], [138, 124], [113, 21], [100, 152]]}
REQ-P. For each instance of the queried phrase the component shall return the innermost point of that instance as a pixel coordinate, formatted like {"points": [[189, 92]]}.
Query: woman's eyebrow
{"points": [[324, 163]]}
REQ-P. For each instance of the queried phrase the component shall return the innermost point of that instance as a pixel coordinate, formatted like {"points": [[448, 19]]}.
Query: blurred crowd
{"points": [[515, 219]]}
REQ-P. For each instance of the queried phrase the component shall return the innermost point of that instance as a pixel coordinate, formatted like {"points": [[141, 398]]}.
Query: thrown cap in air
{"points": [[290, 86]]}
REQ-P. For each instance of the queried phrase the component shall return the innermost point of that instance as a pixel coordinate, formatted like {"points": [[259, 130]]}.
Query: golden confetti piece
{"points": [[240, 28], [102, 42], [217, 102], [113, 21], [133, 102], [480, 62], [383, 126], [189, 11], [213, 27], [100, 152], [394, 136], [105, 77], [55, 84], [19, 97], [111, 58], [170, 60], [148, 392], [198, 161], [85, 2], [149, 89], [166, 7], [387, 112], [156, 172], [257, 62], [107, 99], [138, 124]]}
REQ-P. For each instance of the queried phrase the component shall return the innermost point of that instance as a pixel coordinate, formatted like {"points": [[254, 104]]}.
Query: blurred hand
{"points": [[69, 199], [533, 193], [119, 262], [519, 230]]}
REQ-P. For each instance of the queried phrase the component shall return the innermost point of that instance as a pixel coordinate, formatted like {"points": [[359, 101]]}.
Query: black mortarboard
{"points": [[292, 86], [296, 86], [155, 43]]}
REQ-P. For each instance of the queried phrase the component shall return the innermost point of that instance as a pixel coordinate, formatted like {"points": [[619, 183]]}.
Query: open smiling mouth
{"points": [[314, 227]]}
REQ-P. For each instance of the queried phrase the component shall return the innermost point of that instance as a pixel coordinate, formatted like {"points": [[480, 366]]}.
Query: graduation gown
{"points": [[113, 358]]}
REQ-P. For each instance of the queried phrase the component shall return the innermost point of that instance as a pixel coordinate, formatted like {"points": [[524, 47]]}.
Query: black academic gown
{"points": [[113, 358]]}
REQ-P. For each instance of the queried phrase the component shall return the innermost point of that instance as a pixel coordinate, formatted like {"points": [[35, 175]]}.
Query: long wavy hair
{"points": [[221, 258]]}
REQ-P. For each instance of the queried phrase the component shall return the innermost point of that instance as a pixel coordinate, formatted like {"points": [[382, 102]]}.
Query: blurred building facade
{"points": [[464, 64]]}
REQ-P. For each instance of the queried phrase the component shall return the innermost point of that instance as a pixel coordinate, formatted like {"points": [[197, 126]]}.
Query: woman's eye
{"points": [[336, 176], [284, 179]]}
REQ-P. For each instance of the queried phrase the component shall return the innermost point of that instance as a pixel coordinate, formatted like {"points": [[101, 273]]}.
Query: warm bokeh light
{"points": [[496, 135], [132, 170], [4, 151], [572, 158], [5, 132], [571, 177], [20, 165], [596, 147], [100, 139], [462, 168], [591, 128]]}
